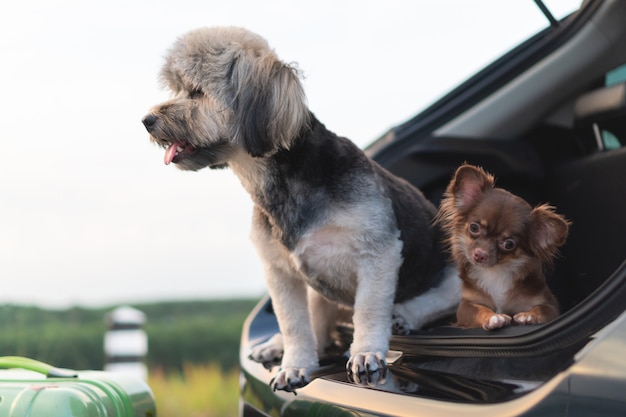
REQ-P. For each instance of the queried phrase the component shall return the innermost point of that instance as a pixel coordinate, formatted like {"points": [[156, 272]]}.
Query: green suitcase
{"points": [[30, 388]]}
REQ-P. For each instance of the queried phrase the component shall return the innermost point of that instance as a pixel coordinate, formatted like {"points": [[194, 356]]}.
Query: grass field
{"points": [[197, 391]]}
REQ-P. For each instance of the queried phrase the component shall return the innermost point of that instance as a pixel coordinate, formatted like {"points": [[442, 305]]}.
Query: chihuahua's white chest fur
{"points": [[497, 281]]}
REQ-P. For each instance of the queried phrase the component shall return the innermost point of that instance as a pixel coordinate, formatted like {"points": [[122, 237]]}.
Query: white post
{"points": [[125, 342]]}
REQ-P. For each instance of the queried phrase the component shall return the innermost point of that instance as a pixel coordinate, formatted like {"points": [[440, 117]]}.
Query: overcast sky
{"points": [[90, 215]]}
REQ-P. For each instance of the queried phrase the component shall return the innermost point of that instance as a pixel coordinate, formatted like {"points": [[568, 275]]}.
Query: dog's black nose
{"points": [[149, 121]]}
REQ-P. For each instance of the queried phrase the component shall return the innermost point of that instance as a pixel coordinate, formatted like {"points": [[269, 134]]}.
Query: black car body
{"points": [[548, 119]]}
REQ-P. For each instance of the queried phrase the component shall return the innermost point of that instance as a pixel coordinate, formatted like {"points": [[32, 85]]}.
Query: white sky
{"points": [[89, 215]]}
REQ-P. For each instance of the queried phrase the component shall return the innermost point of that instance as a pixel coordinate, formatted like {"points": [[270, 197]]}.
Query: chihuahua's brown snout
{"points": [[149, 121], [480, 256]]}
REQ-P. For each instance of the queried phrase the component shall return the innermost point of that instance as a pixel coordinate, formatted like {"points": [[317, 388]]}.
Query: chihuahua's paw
{"points": [[289, 379], [367, 368], [496, 321], [268, 353], [526, 317]]}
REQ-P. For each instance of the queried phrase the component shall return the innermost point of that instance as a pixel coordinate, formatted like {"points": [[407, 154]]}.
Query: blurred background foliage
{"points": [[179, 333], [193, 348]]}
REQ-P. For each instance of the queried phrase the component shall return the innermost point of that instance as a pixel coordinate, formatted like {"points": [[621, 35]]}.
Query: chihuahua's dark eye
{"points": [[508, 245], [474, 228]]}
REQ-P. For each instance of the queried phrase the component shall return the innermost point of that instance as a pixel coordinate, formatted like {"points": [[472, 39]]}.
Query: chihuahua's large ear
{"points": [[548, 231], [468, 185]]}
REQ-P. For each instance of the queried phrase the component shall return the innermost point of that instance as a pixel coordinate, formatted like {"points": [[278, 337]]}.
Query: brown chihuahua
{"points": [[501, 246]]}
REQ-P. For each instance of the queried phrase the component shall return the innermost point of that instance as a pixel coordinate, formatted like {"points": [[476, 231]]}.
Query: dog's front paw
{"points": [[268, 353], [289, 379], [367, 368], [526, 317], [496, 321]]}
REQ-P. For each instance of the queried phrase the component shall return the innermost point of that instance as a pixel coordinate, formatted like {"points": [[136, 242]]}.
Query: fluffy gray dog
{"points": [[328, 221]]}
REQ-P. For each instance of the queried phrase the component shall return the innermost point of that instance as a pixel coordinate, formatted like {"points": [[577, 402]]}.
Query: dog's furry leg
{"points": [[288, 292], [377, 278], [289, 299], [323, 319], [434, 304]]}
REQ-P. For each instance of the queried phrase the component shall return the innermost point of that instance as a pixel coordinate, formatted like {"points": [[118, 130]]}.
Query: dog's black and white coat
{"points": [[331, 226]]}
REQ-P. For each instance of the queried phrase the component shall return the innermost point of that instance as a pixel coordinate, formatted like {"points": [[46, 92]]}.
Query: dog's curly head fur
{"points": [[231, 93]]}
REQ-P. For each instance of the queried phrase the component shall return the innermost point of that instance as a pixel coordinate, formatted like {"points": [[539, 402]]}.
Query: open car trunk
{"points": [[589, 278]]}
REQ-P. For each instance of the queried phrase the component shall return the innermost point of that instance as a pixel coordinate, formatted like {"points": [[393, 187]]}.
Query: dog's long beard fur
{"points": [[331, 226]]}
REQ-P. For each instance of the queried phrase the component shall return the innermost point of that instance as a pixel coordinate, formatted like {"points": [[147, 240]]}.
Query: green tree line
{"points": [[179, 333]]}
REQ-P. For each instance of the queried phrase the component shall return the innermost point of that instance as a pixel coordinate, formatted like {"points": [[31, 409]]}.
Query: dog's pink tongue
{"points": [[170, 153]]}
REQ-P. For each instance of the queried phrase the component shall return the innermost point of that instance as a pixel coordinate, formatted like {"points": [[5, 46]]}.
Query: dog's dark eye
{"points": [[196, 94], [474, 228], [508, 245]]}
